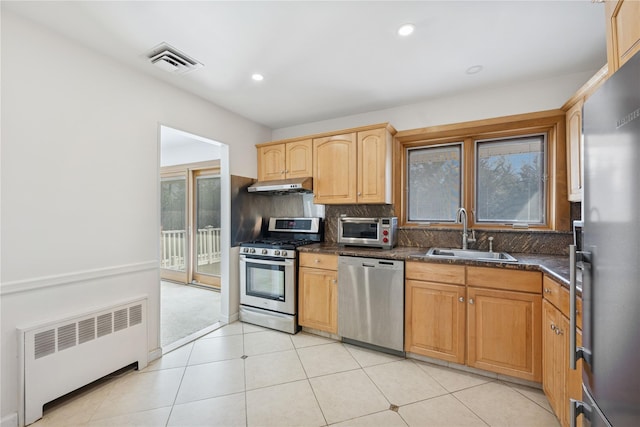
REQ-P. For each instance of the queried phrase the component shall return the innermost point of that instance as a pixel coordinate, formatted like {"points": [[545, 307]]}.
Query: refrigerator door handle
{"points": [[577, 408], [575, 353]]}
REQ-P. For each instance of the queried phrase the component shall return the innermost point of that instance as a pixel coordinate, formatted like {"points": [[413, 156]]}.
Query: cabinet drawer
{"points": [[314, 260], [556, 294], [559, 296], [500, 278], [443, 273]]}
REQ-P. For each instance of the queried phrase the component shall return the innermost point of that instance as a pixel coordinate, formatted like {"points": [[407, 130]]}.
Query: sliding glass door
{"points": [[206, 267], [173, 227], [190, 224]]}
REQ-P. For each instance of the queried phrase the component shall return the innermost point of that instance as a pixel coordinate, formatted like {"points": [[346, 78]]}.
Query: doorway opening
{"points": [[190, 236]]}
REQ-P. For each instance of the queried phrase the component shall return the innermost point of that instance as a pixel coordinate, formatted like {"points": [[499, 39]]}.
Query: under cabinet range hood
{"points": [[283, 186]]}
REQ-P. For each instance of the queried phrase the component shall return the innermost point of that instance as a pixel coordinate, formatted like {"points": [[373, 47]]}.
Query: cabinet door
{"points": [[271, 162], [553, 358], [334, 169], [374, 176], [434, 320], [574, 152], [623, 31], [573, 388], [318, 299], [298, 159], [504, 332]]}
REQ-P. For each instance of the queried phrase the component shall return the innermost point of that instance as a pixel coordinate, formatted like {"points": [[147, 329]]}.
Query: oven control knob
{"points": [[253, 251], [264, 251], [386, 240], [283, 253], [245, 250], [385, 232], [276, 252]]}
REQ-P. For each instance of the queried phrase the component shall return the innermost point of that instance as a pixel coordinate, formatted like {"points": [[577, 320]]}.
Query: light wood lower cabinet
{"points": [[485, 325], [435, 320], [553, 377], [504, 332], [559, 382], [318, 292]]}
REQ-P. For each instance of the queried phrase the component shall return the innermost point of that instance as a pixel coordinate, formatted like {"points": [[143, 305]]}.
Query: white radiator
{"points": [[61, 356]]}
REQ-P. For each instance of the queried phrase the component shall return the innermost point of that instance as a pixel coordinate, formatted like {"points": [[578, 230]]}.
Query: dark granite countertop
{"points": [[556, 266]]}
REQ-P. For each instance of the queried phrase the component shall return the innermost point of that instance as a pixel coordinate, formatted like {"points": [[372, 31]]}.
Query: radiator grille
{"points": [[85, 330], [45, 343], [60, 356], [135, 315], [105, 324], [120, 320], [66, 336]]}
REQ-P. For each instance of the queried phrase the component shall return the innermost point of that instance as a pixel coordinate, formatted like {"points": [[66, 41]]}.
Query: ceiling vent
{"points": [[170, 59]]}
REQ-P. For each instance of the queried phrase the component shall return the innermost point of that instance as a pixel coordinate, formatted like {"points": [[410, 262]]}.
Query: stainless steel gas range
{"points": [[268, 272]]}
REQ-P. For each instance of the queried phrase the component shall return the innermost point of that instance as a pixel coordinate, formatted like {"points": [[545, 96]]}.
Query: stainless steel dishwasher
{"points": [[371, 302]]}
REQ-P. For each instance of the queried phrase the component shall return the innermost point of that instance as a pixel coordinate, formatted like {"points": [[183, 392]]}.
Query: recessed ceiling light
{"points": [[475, 69], [406, 30], [257, 77]]}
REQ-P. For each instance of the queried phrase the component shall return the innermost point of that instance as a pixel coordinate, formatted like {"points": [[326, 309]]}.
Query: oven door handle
{"points": [[285, 263]]}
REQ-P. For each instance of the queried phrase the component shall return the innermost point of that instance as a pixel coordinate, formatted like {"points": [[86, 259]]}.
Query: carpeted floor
{"points": [[186, 309]]}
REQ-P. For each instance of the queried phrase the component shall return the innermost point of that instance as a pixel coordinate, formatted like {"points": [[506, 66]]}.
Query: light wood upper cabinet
{"points": [[318, 292], [287, 160], [353, 168], [298, 159], [575, 145], [271, 162], [334, 169], [374, 166], [623, 31]]}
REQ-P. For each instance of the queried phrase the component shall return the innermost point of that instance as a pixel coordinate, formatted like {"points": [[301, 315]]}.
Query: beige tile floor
{"points": [[244, 375]]}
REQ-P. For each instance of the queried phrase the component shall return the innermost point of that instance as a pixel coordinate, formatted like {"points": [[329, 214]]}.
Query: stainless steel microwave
{"points": [[371, 232]]}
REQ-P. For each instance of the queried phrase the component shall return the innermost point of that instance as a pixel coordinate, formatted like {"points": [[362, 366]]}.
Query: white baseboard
{"points": [[9, 420], [155, 354], [230, 319]]}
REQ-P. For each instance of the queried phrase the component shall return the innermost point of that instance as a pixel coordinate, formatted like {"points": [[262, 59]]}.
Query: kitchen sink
{"points": [[470, 254]]}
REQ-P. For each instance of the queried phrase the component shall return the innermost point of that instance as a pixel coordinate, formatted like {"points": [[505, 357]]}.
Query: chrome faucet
{"points": [[461, 216]]}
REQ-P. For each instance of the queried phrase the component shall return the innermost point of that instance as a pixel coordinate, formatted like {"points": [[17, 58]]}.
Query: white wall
{"points": [[80, 181], [538, 95], [178, 147]]}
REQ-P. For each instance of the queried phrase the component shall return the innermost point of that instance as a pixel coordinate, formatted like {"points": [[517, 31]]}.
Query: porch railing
{"points": [[173, 246]]}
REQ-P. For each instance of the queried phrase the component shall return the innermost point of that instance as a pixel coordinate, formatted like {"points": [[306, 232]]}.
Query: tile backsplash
{"points": [[520, 241]]}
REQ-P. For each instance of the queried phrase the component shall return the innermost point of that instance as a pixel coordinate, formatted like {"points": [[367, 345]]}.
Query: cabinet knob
{"points": [[471, 301], [547, 290], [553, 327], [461, 299], [282, 172], [334, 281], [559, 331], [316, 260], [359, 193]]}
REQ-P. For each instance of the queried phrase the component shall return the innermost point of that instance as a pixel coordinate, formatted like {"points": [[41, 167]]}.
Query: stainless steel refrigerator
{"points": [[611, 253]]}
